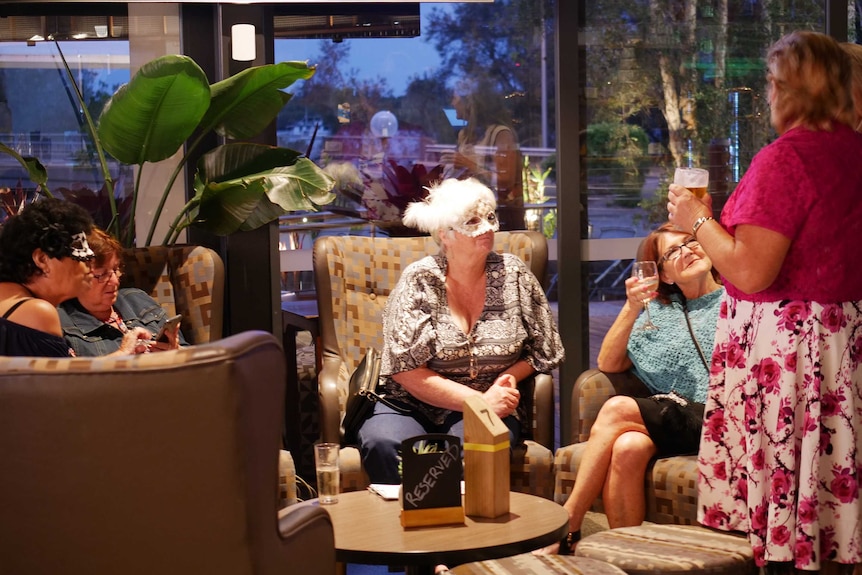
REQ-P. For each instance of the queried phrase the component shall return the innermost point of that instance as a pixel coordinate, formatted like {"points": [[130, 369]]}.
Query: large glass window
{"points": [[405, 94], [402, 90], [668, 83], [40, 115]]}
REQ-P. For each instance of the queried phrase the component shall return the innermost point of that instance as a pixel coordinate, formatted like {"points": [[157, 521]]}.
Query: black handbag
{"points": [[363, 394]]}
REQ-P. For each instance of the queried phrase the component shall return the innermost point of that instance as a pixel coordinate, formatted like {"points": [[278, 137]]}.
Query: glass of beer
{"points": [[328, 476], [695, 179]]}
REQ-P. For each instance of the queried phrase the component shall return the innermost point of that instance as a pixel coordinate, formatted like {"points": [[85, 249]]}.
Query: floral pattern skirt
{"points": [[780, 450]]}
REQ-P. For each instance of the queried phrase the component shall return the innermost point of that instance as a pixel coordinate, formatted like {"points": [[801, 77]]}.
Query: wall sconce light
{"points": [[242, 44]]}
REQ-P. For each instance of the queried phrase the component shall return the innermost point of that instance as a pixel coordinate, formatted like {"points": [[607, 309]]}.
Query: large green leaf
{"points": [[149, 118], [244, 186], [35, 170], [246, 103], [239, 159]]}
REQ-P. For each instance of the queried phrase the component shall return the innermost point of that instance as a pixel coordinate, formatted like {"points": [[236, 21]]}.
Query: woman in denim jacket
{"points": [[107, 320]]}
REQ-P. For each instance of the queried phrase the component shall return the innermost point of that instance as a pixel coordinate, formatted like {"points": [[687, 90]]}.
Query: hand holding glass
{"points": [[647, 275], [695, 179], [328, 476]]}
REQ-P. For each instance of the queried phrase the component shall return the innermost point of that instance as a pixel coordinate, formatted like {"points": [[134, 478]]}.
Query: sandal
{"points": [[567, 543]]}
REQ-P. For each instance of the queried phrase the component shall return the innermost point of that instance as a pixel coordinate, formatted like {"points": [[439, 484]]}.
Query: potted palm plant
{"points": [[238, 186]]}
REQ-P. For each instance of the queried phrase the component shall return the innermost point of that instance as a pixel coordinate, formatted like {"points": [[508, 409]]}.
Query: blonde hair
{"points": [[447, 205], [854, 51], [810, 74]]}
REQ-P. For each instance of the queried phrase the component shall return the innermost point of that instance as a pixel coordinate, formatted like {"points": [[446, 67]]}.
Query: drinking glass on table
{"points": [[646, 273], [695, 179], [328, 476]]}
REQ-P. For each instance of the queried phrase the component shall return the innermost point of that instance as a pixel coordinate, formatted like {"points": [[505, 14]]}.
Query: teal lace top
{"points": [[666, 359]]}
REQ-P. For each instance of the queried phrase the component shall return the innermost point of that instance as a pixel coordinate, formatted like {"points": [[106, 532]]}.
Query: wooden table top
{"points": [[368, 530]]}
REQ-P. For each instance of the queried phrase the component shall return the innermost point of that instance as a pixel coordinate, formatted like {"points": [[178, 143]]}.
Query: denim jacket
{"points": [[90, 337]]}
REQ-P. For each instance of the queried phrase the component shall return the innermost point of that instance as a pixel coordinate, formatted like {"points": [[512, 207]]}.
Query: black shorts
{"points": [[674, 429]]}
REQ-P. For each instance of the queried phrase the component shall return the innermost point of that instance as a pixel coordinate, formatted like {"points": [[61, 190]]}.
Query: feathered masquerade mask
{"points": [[466, 206]]}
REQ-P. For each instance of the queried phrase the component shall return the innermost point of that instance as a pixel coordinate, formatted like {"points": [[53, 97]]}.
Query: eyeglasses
{"points": [[673, 253], [104, 277]]}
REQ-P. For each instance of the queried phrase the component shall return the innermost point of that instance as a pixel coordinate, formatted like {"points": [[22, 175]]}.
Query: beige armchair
{"points": [[671, 482], [188, 280], [354, 276], [160, 463]]}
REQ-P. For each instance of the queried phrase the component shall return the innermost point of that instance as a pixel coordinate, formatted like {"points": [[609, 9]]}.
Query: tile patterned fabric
{"points": [[184, 279], [671, 482], [650, 549], [361, 272], [529, 564]]}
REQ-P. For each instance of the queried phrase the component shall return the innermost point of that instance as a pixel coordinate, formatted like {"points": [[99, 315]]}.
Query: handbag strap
{"points": [[693, 337], [374, 396]]}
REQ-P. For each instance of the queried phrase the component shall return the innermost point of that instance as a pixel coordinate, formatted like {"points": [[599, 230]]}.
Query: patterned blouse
{"points": [[419, 330]]}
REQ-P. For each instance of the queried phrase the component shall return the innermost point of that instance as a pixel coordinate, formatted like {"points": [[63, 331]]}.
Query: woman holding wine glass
{"points": [[672, 359]]}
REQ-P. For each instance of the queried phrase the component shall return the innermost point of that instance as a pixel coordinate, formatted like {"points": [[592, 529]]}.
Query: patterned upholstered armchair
{"points": [[188, 280], [671, 482], [354, 276]]}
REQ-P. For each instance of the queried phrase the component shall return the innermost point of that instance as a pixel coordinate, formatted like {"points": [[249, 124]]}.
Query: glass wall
{"points": [[40, 115], [407, 94], [668, 83]]}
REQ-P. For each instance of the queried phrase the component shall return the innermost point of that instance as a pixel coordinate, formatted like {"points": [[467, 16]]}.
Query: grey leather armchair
{"points": [[160, 463]]}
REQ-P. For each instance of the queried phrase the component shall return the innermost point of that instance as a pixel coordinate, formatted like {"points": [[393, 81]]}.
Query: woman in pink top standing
{"points": [[780, 452]]}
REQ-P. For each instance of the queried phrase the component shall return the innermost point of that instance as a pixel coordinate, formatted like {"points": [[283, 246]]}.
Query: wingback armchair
{"points": [[188, 280], [159, 463], [354, 276]]}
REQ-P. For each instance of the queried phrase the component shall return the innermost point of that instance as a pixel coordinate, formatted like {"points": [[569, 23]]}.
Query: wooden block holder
{"points": [[486, 461], [434, 516]]}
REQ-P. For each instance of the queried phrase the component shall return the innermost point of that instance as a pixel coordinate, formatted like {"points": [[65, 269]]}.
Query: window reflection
{"points": [[468, 97], [667, 86]]}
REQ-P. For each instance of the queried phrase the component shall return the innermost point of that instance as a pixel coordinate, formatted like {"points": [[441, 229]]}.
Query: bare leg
{"points": [[617, 416], [623, 495]]}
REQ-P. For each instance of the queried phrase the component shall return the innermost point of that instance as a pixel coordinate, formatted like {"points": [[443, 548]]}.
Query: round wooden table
{"points": [[368, 530]]}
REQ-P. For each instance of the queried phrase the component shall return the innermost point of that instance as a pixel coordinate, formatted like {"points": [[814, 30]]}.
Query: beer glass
{"points": [[695, 179]]}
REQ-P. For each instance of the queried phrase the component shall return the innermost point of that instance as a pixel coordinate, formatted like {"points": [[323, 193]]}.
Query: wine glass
{"points": [[647, 275]]}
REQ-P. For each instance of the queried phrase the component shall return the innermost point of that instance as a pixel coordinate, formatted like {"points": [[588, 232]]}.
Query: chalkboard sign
{"points": [[431, 470]]}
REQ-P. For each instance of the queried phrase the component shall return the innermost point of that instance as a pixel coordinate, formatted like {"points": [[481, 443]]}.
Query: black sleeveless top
{"points": [[20, 340]]}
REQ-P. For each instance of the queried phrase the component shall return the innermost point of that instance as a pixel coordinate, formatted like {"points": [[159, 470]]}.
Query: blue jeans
{"points": [[381, 435]]}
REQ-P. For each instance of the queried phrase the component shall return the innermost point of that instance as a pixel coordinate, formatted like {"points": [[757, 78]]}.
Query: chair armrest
{"points": [[591, 390], [307, 534], [543, 406], [330, 408]]}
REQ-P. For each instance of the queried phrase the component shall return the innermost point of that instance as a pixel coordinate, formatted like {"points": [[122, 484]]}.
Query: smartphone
{"points": [[169, 324]]}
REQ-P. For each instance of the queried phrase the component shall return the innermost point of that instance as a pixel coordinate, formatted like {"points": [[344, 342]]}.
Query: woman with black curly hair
{"points": [[44, 260]]}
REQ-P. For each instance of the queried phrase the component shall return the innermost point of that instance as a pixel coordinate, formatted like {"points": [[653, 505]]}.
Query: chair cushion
{"points": [[649, 549], [529, 564], [531, 469]]}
